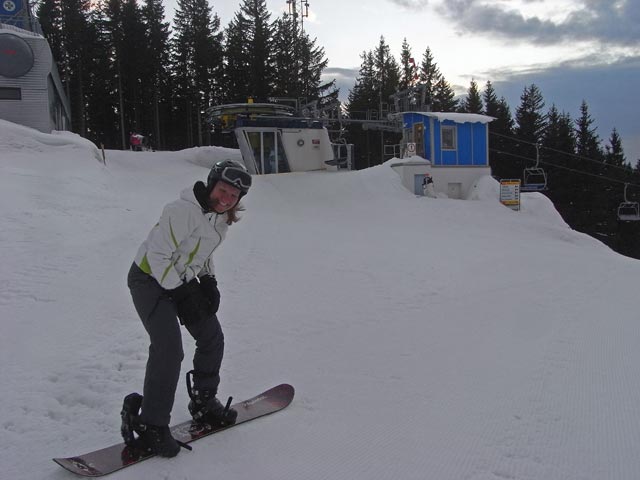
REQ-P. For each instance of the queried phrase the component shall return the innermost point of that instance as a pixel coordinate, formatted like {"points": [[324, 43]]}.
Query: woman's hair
{"points": [[232, 214]]}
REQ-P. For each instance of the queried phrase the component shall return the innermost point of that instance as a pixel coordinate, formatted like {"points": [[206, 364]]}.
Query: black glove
{"points": [[191, 304], [209, 287]]}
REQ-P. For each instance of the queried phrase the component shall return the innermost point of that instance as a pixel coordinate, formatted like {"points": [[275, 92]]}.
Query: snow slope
{"points": [[426, 338]]}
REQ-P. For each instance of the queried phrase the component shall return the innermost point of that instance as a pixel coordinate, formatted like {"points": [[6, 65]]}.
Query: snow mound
{"points": [[207, 156], [485, 188], [20, 139]]}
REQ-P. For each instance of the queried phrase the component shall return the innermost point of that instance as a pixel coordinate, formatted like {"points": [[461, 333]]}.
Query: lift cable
{"points": [[582, 172], [575, 155]]}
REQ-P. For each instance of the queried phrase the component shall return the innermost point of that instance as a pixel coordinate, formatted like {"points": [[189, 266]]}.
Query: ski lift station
{"points": [[452, 147], [31, 92], [273, 140]]}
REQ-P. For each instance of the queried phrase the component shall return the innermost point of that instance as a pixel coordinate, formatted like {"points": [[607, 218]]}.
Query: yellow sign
{"points": [[510, 193]]}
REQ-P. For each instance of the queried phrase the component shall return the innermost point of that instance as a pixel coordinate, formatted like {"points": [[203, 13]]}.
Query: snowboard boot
{"points": [[206, 408], [150, 437], [157, 440]]}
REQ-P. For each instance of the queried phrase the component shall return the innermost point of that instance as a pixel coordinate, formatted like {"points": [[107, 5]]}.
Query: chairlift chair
{"points": [[628, 211], [535, 178]]}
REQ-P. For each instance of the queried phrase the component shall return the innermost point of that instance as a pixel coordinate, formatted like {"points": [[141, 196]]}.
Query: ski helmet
{"points": [[232, 173]]}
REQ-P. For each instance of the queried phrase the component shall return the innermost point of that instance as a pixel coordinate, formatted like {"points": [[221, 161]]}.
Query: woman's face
{"points": [[223, 197]]}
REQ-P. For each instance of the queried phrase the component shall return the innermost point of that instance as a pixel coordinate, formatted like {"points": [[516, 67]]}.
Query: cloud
{"points": [[614, 22], [410, 3], [345, 79], [341, 72]]}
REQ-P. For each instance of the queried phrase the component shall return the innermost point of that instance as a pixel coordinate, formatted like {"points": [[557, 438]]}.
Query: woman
{"points": [[171, 279]]}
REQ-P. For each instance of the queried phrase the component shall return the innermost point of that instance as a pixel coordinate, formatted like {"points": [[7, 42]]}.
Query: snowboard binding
{"points": [[131, 423], [206, 408], [129, 415]]}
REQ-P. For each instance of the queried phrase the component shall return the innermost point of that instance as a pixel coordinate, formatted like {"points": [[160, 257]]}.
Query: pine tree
{"points": [[473, 101], [558, 137], [386, 74], [50, 18], [249, 53], [409, 71], [444, 97], [614, 151], [103, 126], [66, 25], [378, 79], [286, 65], [363, 93], [361, 98], [429, 76], [530, 125], [131, 63], [298, 63], [312, 63], [587, 140], [530, 120], [490, 100], [197, 65], [236, 58], [157, 88], [122, 34], [558, 144], [592, 193], [500, 130], [504, 121]]}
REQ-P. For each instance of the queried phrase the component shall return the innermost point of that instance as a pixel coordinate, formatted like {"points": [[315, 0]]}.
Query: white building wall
{"points": [[307, 149], [33, 109], [454, 182]]}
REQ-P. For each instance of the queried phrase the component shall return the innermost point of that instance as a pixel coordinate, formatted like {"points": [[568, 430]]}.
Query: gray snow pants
{"points": [[158, 314]]}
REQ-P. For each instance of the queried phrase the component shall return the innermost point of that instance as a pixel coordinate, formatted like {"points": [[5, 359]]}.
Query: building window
{"points": [[448, 137], [10, 93]]}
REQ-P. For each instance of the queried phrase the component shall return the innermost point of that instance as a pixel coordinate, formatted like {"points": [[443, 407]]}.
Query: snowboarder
{"points": [[171, 279], [427, 186]]}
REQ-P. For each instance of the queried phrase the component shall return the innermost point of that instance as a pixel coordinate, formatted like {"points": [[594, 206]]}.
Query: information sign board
{"points": [[510, 193]]}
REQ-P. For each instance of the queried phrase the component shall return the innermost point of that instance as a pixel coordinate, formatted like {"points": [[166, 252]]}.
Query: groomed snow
{"points": [[426, 338]]}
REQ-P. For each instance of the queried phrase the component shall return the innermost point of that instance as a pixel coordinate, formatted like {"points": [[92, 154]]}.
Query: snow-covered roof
{"points": [[413, 160], [458, 117]]}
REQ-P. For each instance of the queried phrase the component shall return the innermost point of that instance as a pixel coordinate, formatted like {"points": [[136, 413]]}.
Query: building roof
{"points": [[457, 117]]}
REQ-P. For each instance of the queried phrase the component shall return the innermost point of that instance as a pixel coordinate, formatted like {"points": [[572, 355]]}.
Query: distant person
{"points": [[428, 188], [135, 140], [172, 282]]}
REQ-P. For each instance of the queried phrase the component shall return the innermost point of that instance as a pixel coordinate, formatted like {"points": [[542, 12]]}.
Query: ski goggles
{"points": [[236, 178]]}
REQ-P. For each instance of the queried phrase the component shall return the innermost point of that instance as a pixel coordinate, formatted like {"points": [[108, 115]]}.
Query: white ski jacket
{"points": [[180, 245]]}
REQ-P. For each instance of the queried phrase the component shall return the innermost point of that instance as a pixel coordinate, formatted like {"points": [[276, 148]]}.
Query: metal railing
{"points": [[21, 22]]}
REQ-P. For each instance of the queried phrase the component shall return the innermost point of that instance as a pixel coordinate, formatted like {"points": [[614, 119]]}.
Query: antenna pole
{"points": [[304, 11]]}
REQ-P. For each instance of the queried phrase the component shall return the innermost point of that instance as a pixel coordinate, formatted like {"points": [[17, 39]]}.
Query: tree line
{"points": [[125, 70], [586, 176]]}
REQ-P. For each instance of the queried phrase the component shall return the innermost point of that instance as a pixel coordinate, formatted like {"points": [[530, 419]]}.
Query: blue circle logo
{"points": [[10, 7]]}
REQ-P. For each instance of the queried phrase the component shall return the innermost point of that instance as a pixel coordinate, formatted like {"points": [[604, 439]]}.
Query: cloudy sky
{"points": [[571, 49]]}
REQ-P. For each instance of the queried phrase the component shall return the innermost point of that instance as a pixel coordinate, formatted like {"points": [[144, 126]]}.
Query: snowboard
{"points": [[116, 457]]}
